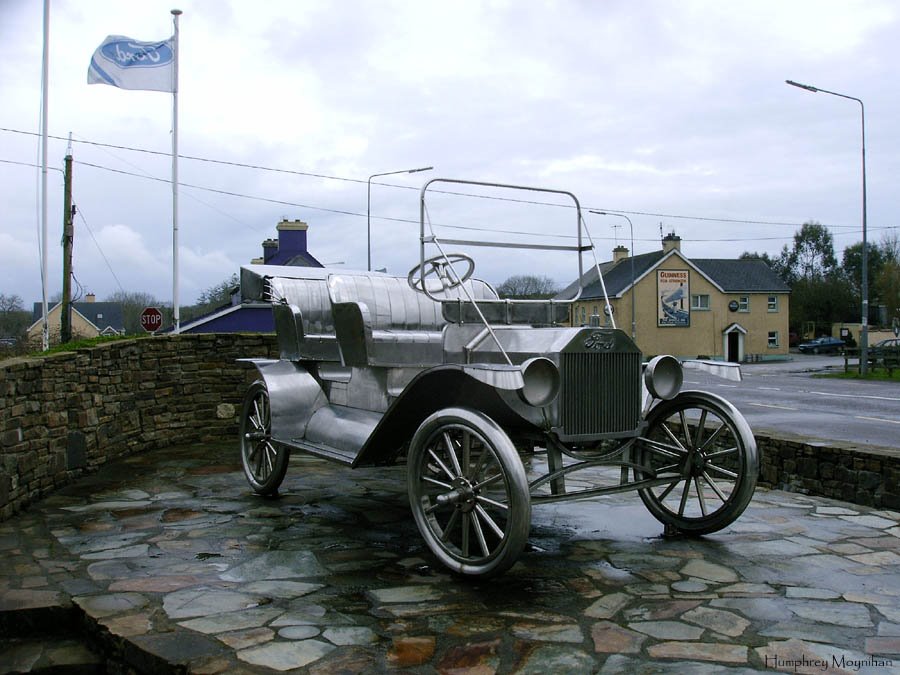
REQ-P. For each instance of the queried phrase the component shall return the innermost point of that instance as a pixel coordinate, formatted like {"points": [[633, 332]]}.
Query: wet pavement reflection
{"points": [[170, 560]]}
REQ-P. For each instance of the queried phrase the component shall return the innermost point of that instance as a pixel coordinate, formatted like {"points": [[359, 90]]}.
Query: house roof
{"points": [[616, 276], [730, 276], [733, 276], [102, 314], [301, 259]]}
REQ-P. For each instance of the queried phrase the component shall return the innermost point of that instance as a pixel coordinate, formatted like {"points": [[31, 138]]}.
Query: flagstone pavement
{"points": [[166, 562]]}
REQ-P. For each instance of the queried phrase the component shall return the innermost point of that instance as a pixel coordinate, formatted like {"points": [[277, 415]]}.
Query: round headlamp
{"points": [[541, 378], [663, 377]]}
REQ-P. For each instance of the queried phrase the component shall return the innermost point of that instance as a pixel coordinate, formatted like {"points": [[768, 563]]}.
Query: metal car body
{"points": [[436, 370]]}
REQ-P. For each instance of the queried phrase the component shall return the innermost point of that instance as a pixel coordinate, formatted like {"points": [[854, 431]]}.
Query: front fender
{"points": [[433, 390]]}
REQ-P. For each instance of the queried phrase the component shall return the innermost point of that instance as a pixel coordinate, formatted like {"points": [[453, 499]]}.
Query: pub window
{"points": [[773, 338], [744, 303], [700, 302], [773, 303]]}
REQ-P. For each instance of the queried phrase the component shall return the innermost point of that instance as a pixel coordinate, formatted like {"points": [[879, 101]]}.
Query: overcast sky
{"points": [[675, 113]]}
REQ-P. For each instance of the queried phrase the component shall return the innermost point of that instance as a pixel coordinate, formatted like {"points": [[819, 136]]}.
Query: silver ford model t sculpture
{"points": [[469, 389]]}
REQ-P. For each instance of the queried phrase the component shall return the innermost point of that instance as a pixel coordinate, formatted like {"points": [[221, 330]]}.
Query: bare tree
{"points": [[133, 303], [527, 287]]}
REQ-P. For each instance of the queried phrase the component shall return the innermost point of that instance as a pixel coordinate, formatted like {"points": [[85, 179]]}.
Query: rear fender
{"points": [[294, 395]]}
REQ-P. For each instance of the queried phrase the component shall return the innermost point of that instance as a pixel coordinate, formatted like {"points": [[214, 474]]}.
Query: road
{"points": [[787, 397]]}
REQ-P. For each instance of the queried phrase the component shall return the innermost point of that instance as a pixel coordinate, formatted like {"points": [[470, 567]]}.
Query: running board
{"points": [[324, 451], [336, 433]]}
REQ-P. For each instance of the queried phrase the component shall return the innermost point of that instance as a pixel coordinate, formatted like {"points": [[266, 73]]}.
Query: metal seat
{"points": [[381, 321]]}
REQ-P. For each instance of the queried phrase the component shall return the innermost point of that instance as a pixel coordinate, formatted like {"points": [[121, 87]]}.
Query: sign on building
{"points": [[673, 292]]}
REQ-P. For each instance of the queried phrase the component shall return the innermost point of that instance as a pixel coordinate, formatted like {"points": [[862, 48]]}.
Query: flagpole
{"points": [[175, 13], [45, 96]]}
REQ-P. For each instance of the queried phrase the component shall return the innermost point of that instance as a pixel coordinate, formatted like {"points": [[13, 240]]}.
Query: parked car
{"points": [[890, 343], [822, 345], [885, 353]]}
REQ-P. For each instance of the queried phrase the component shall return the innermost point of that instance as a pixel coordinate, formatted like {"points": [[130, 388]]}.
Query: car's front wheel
{"points": [[469, 492], [701, 450]]}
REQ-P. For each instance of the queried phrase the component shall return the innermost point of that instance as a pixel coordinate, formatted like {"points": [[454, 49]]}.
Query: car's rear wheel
{"points": [[468, 492], [265, 461], [703, 449]]}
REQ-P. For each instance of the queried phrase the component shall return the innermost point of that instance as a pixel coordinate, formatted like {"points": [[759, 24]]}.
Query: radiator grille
{"points": [[600, 393]]}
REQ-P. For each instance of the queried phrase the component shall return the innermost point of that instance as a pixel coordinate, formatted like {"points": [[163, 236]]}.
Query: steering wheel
{"points": [[439, 267]]}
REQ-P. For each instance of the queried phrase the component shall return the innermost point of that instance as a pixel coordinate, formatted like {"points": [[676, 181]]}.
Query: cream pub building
{"points": [[731, 310]]}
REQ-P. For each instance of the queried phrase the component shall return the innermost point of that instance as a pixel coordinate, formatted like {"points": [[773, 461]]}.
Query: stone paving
{"points": [[172, 564]]}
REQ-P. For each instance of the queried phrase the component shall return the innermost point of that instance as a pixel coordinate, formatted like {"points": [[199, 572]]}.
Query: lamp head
{"points": [[802, 86]]}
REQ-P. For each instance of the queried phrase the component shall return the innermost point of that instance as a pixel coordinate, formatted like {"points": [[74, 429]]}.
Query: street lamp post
{"points": [[864, 330], [631, 258], [369, 208]]}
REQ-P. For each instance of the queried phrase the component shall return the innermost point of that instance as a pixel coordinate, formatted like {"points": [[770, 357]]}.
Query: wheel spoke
{"points": [[433, 481], [684, 496], [488, 481], [479, 534], [666, 468], [441, 464], [666, 492], [489, 521], [724, 472], [259, 461], [672, 437], [686, 430], [710, 442], [700, 496], [466, 455], [663, 449], [721, 453], [451, 450], [491, 502], [482, 464], [270, 466], [465, 534], [448, 528], [701, 425], [715, 488]]}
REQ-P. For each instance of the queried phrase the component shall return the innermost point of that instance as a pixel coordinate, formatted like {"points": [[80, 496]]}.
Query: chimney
{"points": [[291, 237], [671, 241], [619, 253], [90, 297], [270, 248]]}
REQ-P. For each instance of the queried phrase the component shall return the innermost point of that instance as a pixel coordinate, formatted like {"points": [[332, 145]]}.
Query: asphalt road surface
{"points": [[788, 397]]}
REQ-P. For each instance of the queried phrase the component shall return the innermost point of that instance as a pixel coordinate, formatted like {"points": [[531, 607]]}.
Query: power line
{"points": [[258, 167], [282, 202], [102, 254]]}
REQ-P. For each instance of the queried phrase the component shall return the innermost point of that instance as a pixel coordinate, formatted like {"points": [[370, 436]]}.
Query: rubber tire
{"points": [[517, 521], [747, 463], [263, 482]]}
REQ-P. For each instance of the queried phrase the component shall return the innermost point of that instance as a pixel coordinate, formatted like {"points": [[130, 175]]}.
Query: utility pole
{"points": [[65, 333]]}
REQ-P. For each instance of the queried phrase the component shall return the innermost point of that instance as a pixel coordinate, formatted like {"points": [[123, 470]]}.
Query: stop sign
{"points": [[151, 319]]}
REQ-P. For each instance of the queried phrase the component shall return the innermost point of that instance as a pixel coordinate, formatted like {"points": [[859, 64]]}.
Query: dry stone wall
{"points": [[67, 413]]}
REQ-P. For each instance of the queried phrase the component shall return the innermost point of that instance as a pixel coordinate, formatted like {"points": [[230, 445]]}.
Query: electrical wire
{"points": [[100, 249], [308, 174]]}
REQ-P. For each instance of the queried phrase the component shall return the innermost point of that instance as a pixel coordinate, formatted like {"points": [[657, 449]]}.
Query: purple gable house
{"points": [[252, 315]]}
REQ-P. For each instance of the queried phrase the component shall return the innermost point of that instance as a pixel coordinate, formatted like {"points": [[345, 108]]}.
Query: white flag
{"points": [[130, 64]]}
